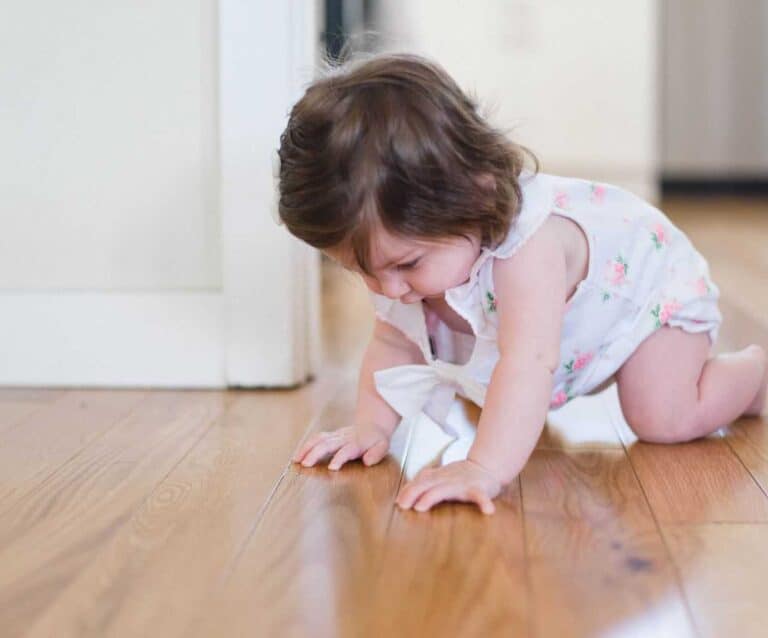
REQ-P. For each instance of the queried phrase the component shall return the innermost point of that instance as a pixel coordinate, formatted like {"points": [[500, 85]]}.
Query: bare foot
{"points": [[757, 406]]}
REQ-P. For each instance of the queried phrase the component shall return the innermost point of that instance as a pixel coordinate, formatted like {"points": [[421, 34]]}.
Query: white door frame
{"points": [[271, 281], [262, 327]]}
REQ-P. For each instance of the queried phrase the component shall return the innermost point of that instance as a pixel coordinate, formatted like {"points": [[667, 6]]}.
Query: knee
{"points": [[663, 426]]}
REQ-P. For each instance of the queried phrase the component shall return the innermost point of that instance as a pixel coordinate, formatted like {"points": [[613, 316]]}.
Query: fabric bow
{"points": [[411, 389]]}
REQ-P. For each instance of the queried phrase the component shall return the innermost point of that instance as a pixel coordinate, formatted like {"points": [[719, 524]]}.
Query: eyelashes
{"points": [[409, 265]]}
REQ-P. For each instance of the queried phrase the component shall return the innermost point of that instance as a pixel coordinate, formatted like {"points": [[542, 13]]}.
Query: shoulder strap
{"points": [[538, 198]]}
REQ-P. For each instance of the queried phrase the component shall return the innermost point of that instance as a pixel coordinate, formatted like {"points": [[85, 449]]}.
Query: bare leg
{"points": [[729, 381], [757, 407], [670, 391]]}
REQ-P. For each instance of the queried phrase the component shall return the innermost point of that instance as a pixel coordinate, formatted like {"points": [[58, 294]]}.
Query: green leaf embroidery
{"points": [[655, 312], [620, 259]]}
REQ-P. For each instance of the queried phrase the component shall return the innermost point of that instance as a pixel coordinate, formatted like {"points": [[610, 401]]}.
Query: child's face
{"points": [[411, 270]]}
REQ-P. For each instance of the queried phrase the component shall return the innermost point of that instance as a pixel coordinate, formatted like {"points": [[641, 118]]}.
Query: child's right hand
{"points": [[371, 443]]}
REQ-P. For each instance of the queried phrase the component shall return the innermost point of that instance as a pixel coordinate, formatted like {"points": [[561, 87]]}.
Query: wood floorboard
{"points": [[699, 481], [18, 404], [723, 569], [182, 540], [748, 438], [453, 571], [307, 568], [52, 435], [62, 524], [142, 513], [593, 544]]}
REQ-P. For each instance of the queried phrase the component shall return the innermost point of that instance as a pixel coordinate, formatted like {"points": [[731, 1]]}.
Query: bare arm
{"points": [[388, 347], [374, 420], [530, 299]]}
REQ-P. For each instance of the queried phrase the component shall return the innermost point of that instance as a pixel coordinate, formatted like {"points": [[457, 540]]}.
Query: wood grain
{"points": [[307, 567], [185, 536], [593, 544], [142, 513], [723, 569], [698, 481], [61, 524], [55, 433], [453, 571], [17, 404]]}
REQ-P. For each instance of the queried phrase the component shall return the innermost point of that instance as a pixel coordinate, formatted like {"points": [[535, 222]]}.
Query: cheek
{"points": [[431, 280], [371, 283], [449, 272]]}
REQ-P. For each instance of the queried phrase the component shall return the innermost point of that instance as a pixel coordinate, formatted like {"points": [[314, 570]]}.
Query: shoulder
{"points": [[530, 290], [540, 258]]}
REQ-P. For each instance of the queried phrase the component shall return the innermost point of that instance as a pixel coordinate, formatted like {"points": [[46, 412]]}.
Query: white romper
{"points": [[643, 273]]}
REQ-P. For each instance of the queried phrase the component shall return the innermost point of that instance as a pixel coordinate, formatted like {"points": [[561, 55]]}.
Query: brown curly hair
{"points": [[393, 142]]}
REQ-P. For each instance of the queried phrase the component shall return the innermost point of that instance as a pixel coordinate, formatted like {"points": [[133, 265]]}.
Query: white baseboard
{"points": [[112, 339]]}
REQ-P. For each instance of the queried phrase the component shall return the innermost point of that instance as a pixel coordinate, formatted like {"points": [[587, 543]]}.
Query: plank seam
{"points": [[270, 496], [526, 558], [657, 524]]}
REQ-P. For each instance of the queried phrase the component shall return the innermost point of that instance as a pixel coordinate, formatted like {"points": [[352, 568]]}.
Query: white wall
{"points": [[576, 80], [108, 167]]}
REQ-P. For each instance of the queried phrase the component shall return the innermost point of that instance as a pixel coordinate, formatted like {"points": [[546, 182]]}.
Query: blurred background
{"points": [[660, 97], [137, 190]]}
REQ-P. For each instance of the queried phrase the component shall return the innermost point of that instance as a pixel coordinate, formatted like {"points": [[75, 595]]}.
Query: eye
{"points": [[409, 265]]}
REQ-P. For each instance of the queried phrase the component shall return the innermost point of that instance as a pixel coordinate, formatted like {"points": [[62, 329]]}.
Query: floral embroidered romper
{"points": [[643, 273]]}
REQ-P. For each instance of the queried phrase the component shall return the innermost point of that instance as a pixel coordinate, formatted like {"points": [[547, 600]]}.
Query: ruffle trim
{"points": [[538, 201]]}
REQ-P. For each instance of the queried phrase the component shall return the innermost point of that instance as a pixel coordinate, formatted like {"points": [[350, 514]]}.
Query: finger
{"points": [[376, 452], [328, 446], [349, 451], [423, 473], [411, 492], [451, 492], [483, 501], [303, 449], [433, 496], [310, 443]]}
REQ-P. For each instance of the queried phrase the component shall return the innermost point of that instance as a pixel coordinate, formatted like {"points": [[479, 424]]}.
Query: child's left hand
{"points": [[461, 480]]}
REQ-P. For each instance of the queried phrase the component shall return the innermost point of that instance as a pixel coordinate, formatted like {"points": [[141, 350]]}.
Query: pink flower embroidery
{"points": [[559, 399], [668, 310], [616, 271], [598, 193], [582, 360], [561, 200], [578, 363], [659, 236], [663, 312], [701, 286]]}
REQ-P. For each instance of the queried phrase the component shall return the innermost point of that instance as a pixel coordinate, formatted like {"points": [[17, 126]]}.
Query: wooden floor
{"points": [[157, 513]]}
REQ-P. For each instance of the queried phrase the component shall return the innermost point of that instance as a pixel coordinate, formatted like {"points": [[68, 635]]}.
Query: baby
{"points": [[517, 289]]}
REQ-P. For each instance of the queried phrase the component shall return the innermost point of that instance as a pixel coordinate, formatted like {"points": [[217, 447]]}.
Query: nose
{"points": [[392, 286]]}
